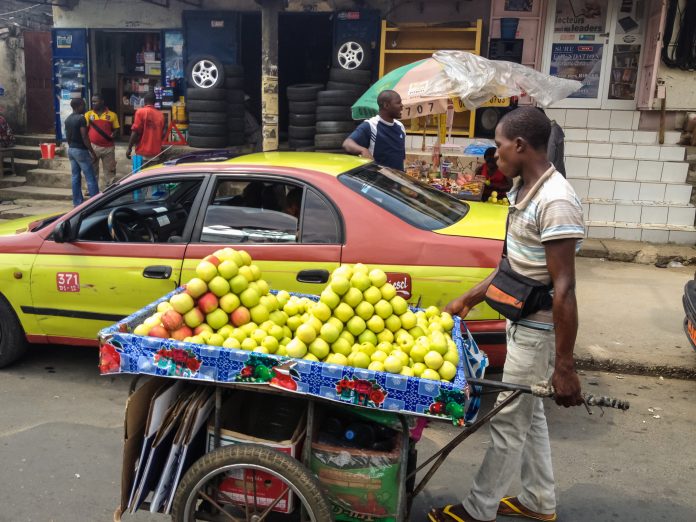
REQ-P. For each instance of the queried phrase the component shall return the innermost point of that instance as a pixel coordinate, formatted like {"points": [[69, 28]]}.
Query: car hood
{"points": [[16, 226], [484, 220]]}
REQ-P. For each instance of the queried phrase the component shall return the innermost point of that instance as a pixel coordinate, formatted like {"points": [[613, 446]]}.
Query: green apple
{"points": [[361, 360], [196, 339], [282, 351], [283, 297], [246, 258], [364, 310], [261, 349], [355, 325], [341, 346], [417, 332], [385, 336], [278, 317], [376, 366], [377, 277], [418, 352], [206, 270], [372, 295], [311, 357], [407, 371], [435, 325], [367, 347], [216, 339], [403, 356], [263, 286], [340, 285], [360, 281], [306, 333], [408, 320], [226, 330], [392, 364], [452, 356], [228, 269], [141, 329], [257, 335], [352, 297], [447, 321], [291, 308], [345, 334], [383, 309], [320, 348], [270, 343], [447, 371], [399, 304], [255, 272], [287, 332], [294, 322], [196, 287], [329, 333], [238, 334], [248, 344], [229, 302], [217, 319], [337, 323], [393, 323], [381, 354], [339, 359], [418, 368], [368, 336], [432, 311], [238, 284], [430, 374], [275, 331], [405, 343], [361, 268], [388, 291], [231, 342], [182, 303], [165, 306], [321, 311], [193, 318], [296, 348], [438, 342], [375, 324], [330, 298], [343, 271], [315, 323], [249, 297], [259, 314], [433, 360], [248, 328], [343, 312]]}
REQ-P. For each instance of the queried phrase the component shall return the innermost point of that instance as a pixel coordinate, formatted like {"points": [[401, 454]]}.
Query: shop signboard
{"points": [[582, 62], [579, 16]]}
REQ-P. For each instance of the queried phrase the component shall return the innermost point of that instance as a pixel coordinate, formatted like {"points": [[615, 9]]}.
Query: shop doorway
{"points": [[601, 45], [37, 59]]}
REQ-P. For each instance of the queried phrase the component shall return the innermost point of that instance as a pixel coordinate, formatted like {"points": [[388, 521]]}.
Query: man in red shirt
{"points": [[497, 180], [147, 132], [102, 126]]}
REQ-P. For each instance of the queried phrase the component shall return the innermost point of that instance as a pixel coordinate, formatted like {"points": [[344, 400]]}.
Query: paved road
{"points": [[61, 429]]}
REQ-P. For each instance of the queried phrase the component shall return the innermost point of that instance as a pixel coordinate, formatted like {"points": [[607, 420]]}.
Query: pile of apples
{"points": [[493, 198], [359, 320]]}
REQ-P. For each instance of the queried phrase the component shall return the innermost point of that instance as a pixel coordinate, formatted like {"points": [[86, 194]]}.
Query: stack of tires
{"points": [[349, 78], [234, 85], [302, 102]]}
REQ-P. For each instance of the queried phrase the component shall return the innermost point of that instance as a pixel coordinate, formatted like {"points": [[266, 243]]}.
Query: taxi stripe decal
{"points": [[74, 314]]}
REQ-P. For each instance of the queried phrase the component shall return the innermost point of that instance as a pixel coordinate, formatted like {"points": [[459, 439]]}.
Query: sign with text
{"points": [[68, 281], [581, 62], [402, 282], [574, 16]]}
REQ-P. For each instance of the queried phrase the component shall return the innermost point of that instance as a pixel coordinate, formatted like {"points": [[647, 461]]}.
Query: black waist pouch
{"points": [[515, 296]]}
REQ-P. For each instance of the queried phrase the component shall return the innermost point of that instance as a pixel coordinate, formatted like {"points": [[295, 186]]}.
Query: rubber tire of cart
{"points": [[364, 64], [304, 91], [13, 344], [337, 97], [302, 119], [302, 107], [334, 113], [233, 71], [252, 454], [355, 76], [234, 83], [236, 138], [235, 124], [207, 129], [334, 127], [301, 133], [301, 144], [207, 142], [235, 96], [235, 110], [330, 141], [194, 93], [342, 86], [205, 105], [207, 117], [219, 81]]}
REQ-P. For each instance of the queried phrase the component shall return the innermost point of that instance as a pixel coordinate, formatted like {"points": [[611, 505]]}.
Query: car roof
{"points": [[332, 164]]}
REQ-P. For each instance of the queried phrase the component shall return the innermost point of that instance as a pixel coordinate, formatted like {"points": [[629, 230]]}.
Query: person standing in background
{"points": [[103, 127], [80, 152], [147, 133], [555, 150]]}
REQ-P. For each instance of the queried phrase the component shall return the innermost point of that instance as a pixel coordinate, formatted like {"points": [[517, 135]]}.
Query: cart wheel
{"points": [[200, 496]]}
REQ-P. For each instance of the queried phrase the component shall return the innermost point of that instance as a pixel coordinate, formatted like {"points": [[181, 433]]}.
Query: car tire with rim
{"points": [[334, 127], [207, 129], [334, 113], [205, 72], [352, 54], [330, 141], [195, 93], [342, 98], [207, 142], [207, 117], [304, 91], [13, 344]]}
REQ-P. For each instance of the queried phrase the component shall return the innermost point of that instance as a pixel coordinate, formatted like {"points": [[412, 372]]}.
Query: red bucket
{"points": [[48, 150]]}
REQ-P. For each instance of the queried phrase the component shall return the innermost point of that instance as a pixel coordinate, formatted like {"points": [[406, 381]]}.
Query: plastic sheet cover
{"points": [[476, 80]]}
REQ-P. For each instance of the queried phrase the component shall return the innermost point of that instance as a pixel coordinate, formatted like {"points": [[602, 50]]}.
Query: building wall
{"points": [[681, 85], [12, 80]]}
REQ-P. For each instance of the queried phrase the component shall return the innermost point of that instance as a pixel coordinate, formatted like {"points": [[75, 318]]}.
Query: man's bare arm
{"points": [[352, 147]]}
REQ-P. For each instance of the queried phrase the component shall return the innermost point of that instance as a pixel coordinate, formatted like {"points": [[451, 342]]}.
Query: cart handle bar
{"points": [[545, 390]]}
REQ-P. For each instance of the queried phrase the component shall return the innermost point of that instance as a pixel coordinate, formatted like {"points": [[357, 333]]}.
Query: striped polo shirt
{"points": [[550, 210]]}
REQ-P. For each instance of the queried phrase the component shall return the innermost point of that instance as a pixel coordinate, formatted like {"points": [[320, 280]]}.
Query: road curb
{"points": [[634, 368], [637, 252]]}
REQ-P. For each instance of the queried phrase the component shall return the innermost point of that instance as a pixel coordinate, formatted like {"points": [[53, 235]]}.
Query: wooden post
{"points": [[269, 72]]}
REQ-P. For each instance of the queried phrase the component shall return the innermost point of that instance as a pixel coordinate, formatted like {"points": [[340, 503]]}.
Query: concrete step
{"points": [[23, 165], [25, 208], [30, 152], [625, 151], [683, 235], [33, 192], [636, 137], [12, 181], [583, 167], [609, 189], [49, 178], [645, 213], [34, 140]]}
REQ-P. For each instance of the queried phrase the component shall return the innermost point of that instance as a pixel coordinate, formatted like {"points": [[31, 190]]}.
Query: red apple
{"points": [[240, 316], [172, 320], [212, 259], [158, 331], [182, 333], [198, 330], [208, 302]]}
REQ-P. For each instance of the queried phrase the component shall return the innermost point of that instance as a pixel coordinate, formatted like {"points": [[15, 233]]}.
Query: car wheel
{"points": [[13, 344], [355, 76], [302, 119], [234, 83], [205, 105], [330, 141], [207, 129], [207, 142], [334, 113], [207, 117], [205, 72], [196, 93], [353, 54], [304, 91], [334, 127], [303, 107], [235, 124], [301, 133]]}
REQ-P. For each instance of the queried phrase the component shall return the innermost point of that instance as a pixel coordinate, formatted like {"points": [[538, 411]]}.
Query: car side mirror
{"points": [[61, 233]]}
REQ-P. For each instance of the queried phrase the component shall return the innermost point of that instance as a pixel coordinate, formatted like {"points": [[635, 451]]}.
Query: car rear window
{"points": [[414, 202]]}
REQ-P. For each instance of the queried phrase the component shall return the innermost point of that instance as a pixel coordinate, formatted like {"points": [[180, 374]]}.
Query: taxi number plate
{"points": [[68, 281]]}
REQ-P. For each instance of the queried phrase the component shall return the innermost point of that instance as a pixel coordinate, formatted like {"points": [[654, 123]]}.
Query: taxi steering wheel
{"points": [[136, 229]]}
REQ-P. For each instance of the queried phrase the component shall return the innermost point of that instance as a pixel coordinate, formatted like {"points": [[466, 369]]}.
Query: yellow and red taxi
{"points": [[299, 215]]}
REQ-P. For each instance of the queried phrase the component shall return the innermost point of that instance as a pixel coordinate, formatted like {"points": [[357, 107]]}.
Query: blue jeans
{"points": [[80, 160]]}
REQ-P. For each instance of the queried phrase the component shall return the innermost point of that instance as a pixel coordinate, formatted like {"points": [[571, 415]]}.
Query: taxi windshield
{"points": [[414, 202]]}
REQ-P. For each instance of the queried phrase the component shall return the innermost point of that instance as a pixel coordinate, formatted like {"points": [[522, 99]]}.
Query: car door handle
{"points": [[313, 276], [157, 272]]}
